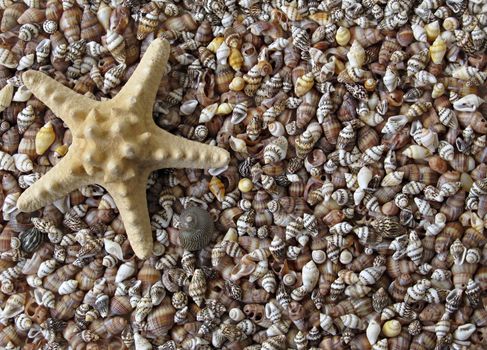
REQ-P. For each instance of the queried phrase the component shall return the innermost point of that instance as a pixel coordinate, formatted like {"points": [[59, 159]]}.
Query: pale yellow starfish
{"points": [[116, 144]]}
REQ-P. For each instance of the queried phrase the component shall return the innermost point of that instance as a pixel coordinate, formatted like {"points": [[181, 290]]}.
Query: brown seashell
{"points": [[89, 274], [66, 306], [161, 319], [120, 305], [91, 29], [69, 24], [10, 16], [64, 273]]}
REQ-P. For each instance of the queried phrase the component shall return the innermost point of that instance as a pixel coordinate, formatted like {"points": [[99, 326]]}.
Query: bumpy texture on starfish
{"points": [[116, 144]]}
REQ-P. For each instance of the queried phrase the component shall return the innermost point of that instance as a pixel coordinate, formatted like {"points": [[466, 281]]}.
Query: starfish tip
{"points": [[23, 204], [29, 77]]}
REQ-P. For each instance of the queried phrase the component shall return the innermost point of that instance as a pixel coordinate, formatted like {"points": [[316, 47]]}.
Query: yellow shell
{"points": [[304, 84], [215, 44], [391, 328], [61, 150], [245, 185], [438, 50], [416, 152], [342, 36], [432, 30], [224, 108], [235, 60], [45, 138], [6, 95], [217, 187], [237, 84]]}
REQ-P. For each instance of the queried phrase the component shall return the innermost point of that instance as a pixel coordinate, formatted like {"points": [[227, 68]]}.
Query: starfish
{"points": [[116, 144]]}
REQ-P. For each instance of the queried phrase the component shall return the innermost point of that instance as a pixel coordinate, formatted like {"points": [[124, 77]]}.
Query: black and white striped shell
{"points": [[197, 228], [31, 239]]}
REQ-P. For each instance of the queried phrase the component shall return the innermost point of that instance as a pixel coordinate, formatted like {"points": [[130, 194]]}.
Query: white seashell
{"points": [[25, 118], [26, 61], [10, 205], [276, 129], [394, 124], [393, 179], [48, 299], [446, 151], [352, 321], [27, 180], [238, 145], [113, 248], [371, 275], [276, 150], [326, 323], [46, 268], [13, 306], [141, 343], [272, 312], [424, 78], [68, 287], [448, 117], [22, 94], [381, 345], [373, 331], [318, 256], [208, 113], [391, 79], [125, 271], [23, 162], [424, 207], [23, 322], [363, 177], [188, 107], [416, 152], [6, 95], [310, 275], [463, 332], [356, 55], [236, 314], [345, 257], [468, 103], [7, 162], [419, 33]]}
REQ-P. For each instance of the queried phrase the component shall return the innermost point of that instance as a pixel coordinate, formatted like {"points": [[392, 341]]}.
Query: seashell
{"points": [[468, 103], [276, 150], [126, 270], [13, 306], [23, 163], [68, 287], [197, 287], [352, 321], [438, 50], [393, 178], [196, 228], [304, 84], [7, 162], [464, 332]]}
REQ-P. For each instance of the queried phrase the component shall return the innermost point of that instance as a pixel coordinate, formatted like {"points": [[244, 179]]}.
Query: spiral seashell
{"points": [[196, 228], [276, 150], [68, 287], [197, 287]]}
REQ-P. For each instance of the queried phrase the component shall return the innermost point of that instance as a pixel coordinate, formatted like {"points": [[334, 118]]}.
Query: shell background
{"points": [[352, 213]]}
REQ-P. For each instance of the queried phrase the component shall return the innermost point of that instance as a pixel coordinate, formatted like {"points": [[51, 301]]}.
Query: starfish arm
{"points": [[131, 200], [66, 104], [176, 152], [65, 177], [141, 88]]}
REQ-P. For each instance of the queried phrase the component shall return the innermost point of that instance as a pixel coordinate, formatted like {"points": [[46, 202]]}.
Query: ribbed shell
{"points": [[31, 239], [198, 231]]}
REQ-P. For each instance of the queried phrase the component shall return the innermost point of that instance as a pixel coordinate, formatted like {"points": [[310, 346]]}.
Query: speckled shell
{"points": [[197, 228]]}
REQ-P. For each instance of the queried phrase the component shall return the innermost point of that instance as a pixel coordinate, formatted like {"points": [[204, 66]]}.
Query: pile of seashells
{"points": [[351, 216]]}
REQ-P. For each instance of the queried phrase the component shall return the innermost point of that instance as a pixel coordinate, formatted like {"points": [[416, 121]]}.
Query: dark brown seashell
{"points": [[31, 239], [197, 228]]}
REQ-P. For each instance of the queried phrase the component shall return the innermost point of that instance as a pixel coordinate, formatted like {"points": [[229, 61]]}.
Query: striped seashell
{"points": [[446, 151], [25, 118], [68, 287], [304, 144], [372, 154], [276, 150], [239, 112], [197, 287], [46, 268], [352, 321], [31, 239], [23, 163], [26, 61], [414, 248], [448, 117], [371, 275], [393, 178], [7, 162], [468, 103], [417, 62]]}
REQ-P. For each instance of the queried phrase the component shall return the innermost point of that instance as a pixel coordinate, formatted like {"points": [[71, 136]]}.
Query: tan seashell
{"points": [[44, 138], [22, 163], [6, 95]]}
